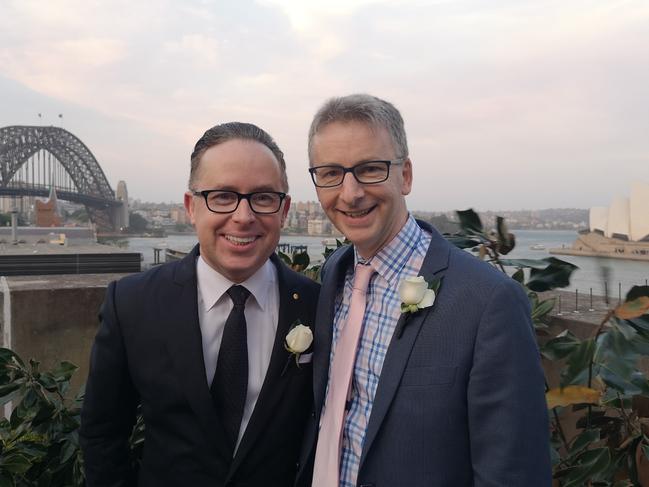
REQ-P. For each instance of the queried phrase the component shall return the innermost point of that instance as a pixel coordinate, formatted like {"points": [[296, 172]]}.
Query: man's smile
{"points": [[358, 213], [240, 240]]}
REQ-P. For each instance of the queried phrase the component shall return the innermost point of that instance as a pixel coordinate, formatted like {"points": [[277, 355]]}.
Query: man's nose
{"points": [[243, 213], [351, 190]]}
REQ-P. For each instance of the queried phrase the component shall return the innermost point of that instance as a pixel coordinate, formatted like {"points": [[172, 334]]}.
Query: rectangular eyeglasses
{"points": [[261, 202], [368, 172]]}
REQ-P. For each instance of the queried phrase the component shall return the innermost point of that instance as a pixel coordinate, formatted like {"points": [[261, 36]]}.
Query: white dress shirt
{"points": [[262, 309]]}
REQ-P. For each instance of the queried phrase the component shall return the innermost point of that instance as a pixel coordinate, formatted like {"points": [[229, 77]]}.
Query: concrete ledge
{"points": [[53, 318]]}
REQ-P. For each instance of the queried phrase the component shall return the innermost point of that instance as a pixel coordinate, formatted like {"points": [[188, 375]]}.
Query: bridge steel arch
{"points": [[18, 143]]}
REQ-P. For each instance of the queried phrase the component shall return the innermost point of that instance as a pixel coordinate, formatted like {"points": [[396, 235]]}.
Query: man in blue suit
{"points": [[448, 393]]}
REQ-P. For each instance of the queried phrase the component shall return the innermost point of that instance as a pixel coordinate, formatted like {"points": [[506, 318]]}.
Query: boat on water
{"points": [[537, 246]]}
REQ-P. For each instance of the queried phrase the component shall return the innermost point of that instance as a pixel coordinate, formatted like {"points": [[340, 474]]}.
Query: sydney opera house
{"points": [[620, 230]]}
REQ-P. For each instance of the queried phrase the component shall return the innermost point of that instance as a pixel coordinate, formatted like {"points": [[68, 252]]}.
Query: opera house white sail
{"points": [[599, 219], [620, 230], [639, 212], [618, 219]]}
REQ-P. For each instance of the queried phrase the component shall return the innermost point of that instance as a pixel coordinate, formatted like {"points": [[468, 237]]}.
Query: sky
{"points": [[508, 104]]}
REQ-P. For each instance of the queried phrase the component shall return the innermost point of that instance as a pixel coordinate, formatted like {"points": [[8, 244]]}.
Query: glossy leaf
{"points": [[628, 331], [636, 292], [285, 258], [506, 240], [14, 462], [616, 360], [525, 263], [470, 221], [7, 390], [571, 395], [561, 346], [578, 362], [519, 276], [543, 308], [633, 309], [584, 439], [64, 371], [641, 323], [555, 275], [589, 464]]}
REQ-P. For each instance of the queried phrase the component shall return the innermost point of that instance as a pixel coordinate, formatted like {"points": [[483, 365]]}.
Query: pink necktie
{"points": [[326, 470]]}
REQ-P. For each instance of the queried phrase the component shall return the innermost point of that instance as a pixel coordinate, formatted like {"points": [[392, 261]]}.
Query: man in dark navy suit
{"points": [[446, 391], [200, 343]]}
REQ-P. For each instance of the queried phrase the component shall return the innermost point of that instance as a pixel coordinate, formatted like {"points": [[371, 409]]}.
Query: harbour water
{"points": [[530, 244]]}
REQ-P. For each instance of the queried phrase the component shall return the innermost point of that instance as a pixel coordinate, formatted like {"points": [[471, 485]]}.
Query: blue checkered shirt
{"points": [[401, 258]]}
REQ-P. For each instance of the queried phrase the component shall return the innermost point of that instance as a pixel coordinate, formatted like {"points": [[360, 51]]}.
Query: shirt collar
{"points": [[212, 286], [391, 259]]}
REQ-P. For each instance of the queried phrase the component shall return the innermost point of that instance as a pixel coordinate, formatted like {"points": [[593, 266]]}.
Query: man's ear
{"points": [[406, 186], [284, 210], [189, 206]]}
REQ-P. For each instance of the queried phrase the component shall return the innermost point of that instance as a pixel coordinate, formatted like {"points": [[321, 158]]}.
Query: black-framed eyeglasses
{"points": [[261, 202], [368, 172]]}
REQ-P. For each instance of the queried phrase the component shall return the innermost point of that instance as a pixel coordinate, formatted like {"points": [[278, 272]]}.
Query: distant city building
{"points": [[179, 215], [121, 216], [319, 227], [47, 212]]}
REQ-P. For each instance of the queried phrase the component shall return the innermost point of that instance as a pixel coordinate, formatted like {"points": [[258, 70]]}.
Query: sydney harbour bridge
{"points": [[35, 159]]}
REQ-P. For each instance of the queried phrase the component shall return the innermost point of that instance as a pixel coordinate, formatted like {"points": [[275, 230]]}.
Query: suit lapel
{"points": [[435, 262], [291, 308], [183, 338]]}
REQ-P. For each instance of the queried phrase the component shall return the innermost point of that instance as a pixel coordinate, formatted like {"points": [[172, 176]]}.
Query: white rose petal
{"points": [[427, 300], [299, 339], [412, 289]]}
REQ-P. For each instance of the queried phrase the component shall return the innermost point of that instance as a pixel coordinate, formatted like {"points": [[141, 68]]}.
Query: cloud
{"points": [[494, 94]]}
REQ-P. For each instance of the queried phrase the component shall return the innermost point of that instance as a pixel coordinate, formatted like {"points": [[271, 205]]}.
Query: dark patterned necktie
{"points": [[230, 383]]}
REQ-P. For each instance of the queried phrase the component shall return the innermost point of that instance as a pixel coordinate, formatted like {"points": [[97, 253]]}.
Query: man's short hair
{"points": [[366, 109], [235, 131]]}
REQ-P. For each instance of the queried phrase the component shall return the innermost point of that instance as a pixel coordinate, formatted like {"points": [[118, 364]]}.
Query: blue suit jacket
{"points": [[460, 401]]}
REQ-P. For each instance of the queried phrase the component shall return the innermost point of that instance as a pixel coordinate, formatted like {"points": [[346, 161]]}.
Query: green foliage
{"points": [[609, 431], [39, 444]]}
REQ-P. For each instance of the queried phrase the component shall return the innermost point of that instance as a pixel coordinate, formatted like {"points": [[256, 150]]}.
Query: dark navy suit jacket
{"points": [[460, 400], [148, 350]]}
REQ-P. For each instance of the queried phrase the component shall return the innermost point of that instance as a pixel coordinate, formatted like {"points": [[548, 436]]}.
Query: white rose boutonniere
{"points": [[297, 341], [416, 293]]}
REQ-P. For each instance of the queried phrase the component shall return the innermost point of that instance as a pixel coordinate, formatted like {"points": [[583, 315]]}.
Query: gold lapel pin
{"points": [[296, 296]]}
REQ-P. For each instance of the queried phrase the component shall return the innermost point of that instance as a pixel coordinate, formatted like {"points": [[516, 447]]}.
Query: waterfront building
{"points": [[47, 212], [620, 230]]}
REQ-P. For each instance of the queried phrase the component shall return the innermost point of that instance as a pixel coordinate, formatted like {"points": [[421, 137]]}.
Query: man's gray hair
{"points": [[233, 131], [366, 109]]}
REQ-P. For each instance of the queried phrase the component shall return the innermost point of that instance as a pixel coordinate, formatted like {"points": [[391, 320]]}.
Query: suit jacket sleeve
{"points": [[508, 420], [109, 407]]}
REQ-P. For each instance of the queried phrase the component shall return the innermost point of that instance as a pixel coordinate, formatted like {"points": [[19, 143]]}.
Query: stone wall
{"points": [[53, 318]]}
